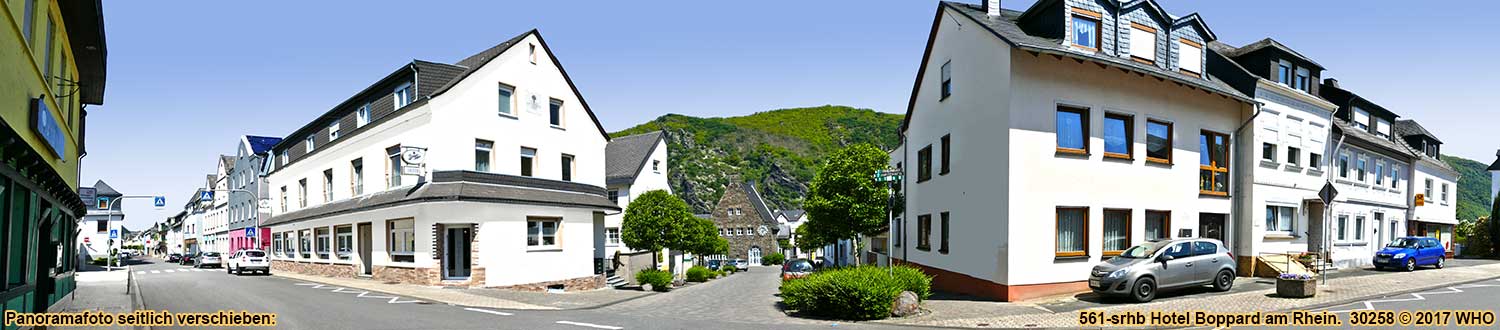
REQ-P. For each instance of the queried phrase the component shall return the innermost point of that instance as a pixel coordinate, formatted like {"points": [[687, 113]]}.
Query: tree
{"points": [[655, 221], [844, 200]]}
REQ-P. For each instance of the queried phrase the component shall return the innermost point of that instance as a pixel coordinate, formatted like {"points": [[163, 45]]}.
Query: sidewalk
{"points": [[488, 298], [989, 314], [101, 290]]}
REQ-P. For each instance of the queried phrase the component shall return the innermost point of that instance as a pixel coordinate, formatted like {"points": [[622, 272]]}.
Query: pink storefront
{"points": [[239, 241]]}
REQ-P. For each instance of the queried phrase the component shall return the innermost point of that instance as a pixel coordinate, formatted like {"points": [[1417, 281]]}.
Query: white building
{"points": [[1060, 113], [408, 180], [787, 223], [216, 218], [1435, 181], [635, 164], [1372, 172], [101, 218]]}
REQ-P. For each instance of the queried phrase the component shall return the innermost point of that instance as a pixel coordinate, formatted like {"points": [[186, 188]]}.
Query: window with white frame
{"points": [[402, 95], [357, 177], [507, 100], [402, 240], [947, 83], [1379, 168], [304, 245], [613, 235], [302, 193], [1268, 152], [1281, 219], [1395, 176], [1359, 168], [333, 131], [1361, 119], [1382, 128], [1359, 228], [567, 167], [327, 185], [528, 161], [541, 232], [308, 145], [531, 53], [1342, 226], [323, 240], [555, 112], [1142, 42], [1293, 156], [1284, 72], [344, 237], [1303, 81], [1445, 194], [362, 116], [483, 153], [1427, 190], [393, 168]]}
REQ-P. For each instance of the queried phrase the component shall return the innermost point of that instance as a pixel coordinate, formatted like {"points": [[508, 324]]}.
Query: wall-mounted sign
{"points": [[47, 128], [1421, 200], [412, 159], [87, 194]]}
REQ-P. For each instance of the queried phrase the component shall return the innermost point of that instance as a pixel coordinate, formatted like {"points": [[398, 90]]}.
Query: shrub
{"points": [[658, 279], [775, 258], [858, 293], [727, 268], [699, 274], [99, 261]]}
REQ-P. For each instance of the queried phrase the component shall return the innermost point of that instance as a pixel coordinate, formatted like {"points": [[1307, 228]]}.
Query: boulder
{"points": [[646, 287], [906, 304]]}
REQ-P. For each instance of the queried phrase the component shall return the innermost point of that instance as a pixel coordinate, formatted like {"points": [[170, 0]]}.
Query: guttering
{"points": [[1239, 188]]}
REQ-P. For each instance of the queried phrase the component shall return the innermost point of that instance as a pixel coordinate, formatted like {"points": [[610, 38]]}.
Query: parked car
{"points": [[208, 259], [1144, 269], [796, 268], [248, 260], [1406, 253], [175, 257], [188, 259], [714, 264], [741, 265]]}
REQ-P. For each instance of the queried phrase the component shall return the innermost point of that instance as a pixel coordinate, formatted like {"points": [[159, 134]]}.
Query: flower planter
{"points": [[1296, 288]]}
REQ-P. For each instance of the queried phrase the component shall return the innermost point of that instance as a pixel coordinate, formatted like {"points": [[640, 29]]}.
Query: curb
{"points": [[1391, 294], [137, 302]]}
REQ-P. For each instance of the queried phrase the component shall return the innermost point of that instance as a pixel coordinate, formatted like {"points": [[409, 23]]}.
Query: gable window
{"points": [[357, 176], [1213, 163], [1379, 168], [1284, 72], [403, 240], [1142, 43], [1189, 57], [1293, 156], [1268, 152], [393, 173], [1280, 218], [924, 232], [1302, 81], [327, 185], [1158, 141], [1116, 231], [531, 53], [924, 164], [1119, 139], [1086, 29], [302, 193], [1158, 225], [528, 161], [946, 148], [947, 79], [541, 232], [555, 113], [1072, 232], [308, 145], [943, 233], [567, 167], [507, 100], [1072, 130], [362, 116], [333, 131], [656, 166], [402, 95], [483, 152]]}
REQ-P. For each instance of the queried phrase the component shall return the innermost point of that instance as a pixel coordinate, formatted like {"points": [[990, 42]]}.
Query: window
{"points": [[531, 53], [1072, 130], [283, 199], [393, 174], [277, 245], [924, 232], [28, 20], [612, 235], [402, 95], [541, 232], [1395, 175], [1159, 141], [528, 160], [1361, 119], [362, 116], [1072, 231], [1360, 168], [1445, 194], [555, 113], [1343, 225], [1293, 156], [1158, 225], [943, 232], [507, 100], [924, 164], [333, 131], [1116, 231], [327, 185], [1427, 191], [1280, 218], [482, 155], [947, 146], [1189, 56], [1086, 30], [403, 240], [302, 193], [656, 166], [357, 177], [322, 242], [1304, 78], [1142, 43], [305, 243], [947, 87], [103, 226], [282, 158], [1119, 139], [344, 238], [567, 167], [1268, 152], [1284, 72], [1315, 161], [1383, 128], [1213, 163], [1359, 228], [1379, 168], [308, 146], [1343, 165], [1391, 234], [614, 196]]}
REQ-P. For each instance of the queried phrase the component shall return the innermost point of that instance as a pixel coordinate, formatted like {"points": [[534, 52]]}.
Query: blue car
{"points": [[1407, 253]]}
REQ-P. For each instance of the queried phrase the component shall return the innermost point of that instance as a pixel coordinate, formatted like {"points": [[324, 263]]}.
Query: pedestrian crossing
{"points": [[164, 271]]}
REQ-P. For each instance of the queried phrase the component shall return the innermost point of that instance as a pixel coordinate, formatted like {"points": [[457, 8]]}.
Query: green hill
{"points": [[780, 150], [1473, 187]]}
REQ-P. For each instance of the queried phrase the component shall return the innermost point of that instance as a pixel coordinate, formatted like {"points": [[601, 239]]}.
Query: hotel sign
{"points": [[47, 128]]}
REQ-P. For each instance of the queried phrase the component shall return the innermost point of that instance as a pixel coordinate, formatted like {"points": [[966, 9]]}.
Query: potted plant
{"points": [[1290, 285]]}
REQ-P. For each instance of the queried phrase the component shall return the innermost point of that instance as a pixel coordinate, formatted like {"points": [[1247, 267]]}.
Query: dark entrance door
{"points": [[1211, 225], [364, 247], [456, 252]]}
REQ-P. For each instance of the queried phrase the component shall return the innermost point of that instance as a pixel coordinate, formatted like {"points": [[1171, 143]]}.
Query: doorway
{"points": [[456, 252], [755, 255], [1211, 225], [364, 248]]}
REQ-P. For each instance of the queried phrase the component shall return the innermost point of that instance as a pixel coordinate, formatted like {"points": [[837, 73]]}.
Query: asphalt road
{"points": [[1481, 295], [742, 301]]}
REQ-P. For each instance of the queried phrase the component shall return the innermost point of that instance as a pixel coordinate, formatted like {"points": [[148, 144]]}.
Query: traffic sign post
{"points": [[249, 231], [206, 196], [114, 234], [159, 201]]}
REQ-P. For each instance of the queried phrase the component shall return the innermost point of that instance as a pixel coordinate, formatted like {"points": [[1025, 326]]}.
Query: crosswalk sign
{"points": [[206, 196], [114, 233], [160, 201]]}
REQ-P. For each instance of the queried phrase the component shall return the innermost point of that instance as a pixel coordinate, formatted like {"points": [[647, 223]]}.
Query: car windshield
{"points": [[256, 254], [1145, 250], [1403, 243], [799, 266]]}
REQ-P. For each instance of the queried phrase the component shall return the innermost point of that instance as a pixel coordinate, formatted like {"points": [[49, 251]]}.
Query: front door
{"points": [[755, 255], [364, 248], [456, 252], [1211, 225]]}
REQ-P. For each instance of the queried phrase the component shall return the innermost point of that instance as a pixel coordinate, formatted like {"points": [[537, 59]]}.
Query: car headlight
{"points": [[1118, 273], [1400, 255]]}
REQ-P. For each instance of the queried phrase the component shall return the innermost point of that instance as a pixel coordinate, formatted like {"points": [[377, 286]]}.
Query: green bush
{"points": [[699, 274], [857, 293], [775, 258], [727, 268], [658, 279], [99, 261]]}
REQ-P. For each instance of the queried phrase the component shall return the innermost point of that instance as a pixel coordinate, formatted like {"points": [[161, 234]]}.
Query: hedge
{"points": [[699, 274], [658, 279], [856, 293], [775, 258]]}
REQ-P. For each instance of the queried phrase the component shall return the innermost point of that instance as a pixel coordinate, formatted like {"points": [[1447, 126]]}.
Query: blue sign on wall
{"points": [[47, 128]]}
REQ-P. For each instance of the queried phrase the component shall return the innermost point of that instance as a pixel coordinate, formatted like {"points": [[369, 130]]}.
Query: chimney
{"points": [[1331, 82], [992, 7]]}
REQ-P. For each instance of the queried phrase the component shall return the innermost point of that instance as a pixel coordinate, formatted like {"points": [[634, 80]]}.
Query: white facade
{"points": [[652, 176], [1290, 134], [1372, 201], [94, 237], [1439, 211]]}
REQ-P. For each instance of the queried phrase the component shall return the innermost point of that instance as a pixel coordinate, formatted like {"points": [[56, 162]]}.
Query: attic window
{"points": [[1303, 76], [1189, 57], [1086, 29], [1142, 43], [532, 53]]}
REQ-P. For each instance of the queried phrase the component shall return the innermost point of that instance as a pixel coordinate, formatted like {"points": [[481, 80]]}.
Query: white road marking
{"points": [[305, 284], [591, 325], [155, 271], [140, 272], [397, 300], [488, 311], [1370, 304]]}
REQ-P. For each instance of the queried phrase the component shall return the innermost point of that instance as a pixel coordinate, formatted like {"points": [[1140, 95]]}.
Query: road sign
{"points": [[114, 233], [888, 175], [249, 231], [160, 201], [87, 194], [1328, 193], [206, 196]]}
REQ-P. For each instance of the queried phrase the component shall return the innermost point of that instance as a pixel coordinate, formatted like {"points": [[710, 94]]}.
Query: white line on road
{"points": [[397, 300], [140, 272], [488, 311], [591, 325], [155, 271]]}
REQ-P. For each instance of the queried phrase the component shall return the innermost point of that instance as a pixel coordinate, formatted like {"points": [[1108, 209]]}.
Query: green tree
{"points": [[844, 200], [655, 221]]}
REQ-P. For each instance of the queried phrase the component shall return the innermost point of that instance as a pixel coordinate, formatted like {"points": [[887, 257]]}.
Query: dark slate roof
{"points": [[792, 215], [1408, 127], [103, 189], [261, 144], [465, 186], [626, 156], [757, 202], [1355, 133], [1495, 166], [474, 62], [1263, 44]]}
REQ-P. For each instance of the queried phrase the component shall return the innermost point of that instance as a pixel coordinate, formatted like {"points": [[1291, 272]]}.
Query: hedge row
{"points": [[856, 293]]}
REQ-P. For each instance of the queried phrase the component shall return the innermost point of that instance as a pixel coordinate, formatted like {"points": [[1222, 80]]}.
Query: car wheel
{"points": [[228, 270], [1411, 264], [1440, 262], [1224, 281], [1144, 290]]}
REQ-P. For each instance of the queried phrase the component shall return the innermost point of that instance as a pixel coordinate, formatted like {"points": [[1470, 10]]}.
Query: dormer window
{"points": [[1190, 57], [1382, 128], [1086, 29], [1284, 72], [1142, 43], [1302, 79], [1361, 119], [402, 95]]}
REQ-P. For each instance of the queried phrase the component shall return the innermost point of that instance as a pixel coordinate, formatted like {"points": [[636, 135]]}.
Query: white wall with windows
{"points": [[1373, 189], [1440, 209], [652, 176], [1291, 161]]}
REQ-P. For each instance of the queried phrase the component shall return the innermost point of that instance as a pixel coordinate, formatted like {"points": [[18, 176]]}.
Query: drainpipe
{"points": [[1235, 207]]}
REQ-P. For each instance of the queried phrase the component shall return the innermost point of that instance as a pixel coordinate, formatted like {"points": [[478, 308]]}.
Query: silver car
{"points": [[208, 259], [1144, 269]]}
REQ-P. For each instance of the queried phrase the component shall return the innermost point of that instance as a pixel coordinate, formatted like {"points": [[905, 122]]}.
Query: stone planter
{"points": [[1295, 288]]}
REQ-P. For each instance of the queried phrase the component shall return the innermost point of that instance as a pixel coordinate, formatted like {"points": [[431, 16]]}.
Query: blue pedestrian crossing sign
{"points": [[206, 196], [160, 201], [249, 231], [114, 233]]}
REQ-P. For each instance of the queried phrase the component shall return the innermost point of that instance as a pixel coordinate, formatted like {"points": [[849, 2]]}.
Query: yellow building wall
{"points": [[22, 79]]}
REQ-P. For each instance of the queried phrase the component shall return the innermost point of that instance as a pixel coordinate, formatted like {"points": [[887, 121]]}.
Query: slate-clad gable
{"points": [[1106, 25], [1144, 15]]}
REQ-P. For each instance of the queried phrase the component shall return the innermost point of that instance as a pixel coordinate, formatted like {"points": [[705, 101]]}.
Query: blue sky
{"points": [[186, 78]]}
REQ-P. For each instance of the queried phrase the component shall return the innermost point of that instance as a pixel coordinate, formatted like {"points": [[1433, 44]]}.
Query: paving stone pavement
{"points": [[747, 297], [565, 300], [1016, 315]]}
